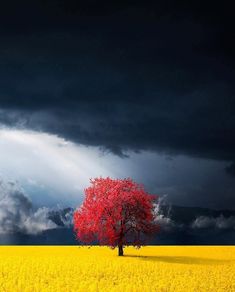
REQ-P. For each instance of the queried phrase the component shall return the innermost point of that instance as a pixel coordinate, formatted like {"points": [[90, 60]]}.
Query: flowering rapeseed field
{"points": [[158, 268]]}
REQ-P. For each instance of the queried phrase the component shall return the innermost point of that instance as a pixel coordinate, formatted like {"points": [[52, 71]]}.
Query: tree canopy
{"points": [[115, 212]]}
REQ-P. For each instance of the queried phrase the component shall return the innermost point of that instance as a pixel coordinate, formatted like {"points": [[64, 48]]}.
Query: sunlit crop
{"points": [[75, 268]]}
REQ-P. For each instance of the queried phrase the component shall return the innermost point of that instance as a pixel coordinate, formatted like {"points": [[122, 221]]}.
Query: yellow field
{"points": [[84, 269]]}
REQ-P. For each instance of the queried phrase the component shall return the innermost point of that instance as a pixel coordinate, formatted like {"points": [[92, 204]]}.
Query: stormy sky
{"points": [[141, 89]]}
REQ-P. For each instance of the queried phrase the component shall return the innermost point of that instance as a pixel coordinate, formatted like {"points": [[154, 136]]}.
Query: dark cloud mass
{"points": [[122, 75], [230, 169]]}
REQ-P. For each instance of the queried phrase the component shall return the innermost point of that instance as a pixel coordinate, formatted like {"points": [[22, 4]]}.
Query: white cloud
{"points": [[17, 214], [220, 222], [164, 220]]}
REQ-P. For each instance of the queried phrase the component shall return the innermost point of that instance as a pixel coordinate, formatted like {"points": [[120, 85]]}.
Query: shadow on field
{"points": [[182, 260]]}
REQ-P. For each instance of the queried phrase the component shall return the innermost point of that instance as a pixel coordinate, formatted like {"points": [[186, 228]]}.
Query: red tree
{"points": [[116, 212]]}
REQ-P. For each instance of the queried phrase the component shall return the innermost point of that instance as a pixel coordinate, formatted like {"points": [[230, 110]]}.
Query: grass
{"points": [[151, 268]]}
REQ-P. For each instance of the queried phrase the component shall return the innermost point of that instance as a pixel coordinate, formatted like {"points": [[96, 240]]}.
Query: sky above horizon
{"points": [[54, 171], [141, 89]]}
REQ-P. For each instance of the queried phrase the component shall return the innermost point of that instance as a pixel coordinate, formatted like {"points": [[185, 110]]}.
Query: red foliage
{"points": [[115, 212]]}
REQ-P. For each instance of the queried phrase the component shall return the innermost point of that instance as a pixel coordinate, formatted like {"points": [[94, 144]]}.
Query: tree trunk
{"points": [[120, 250]]}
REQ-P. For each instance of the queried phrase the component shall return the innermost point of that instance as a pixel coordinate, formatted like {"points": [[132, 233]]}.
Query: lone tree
{"points": [[116, 212]]}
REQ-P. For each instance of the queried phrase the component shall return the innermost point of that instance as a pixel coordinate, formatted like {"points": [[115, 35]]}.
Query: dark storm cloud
{"points": [[230, 169], [121, 75]]}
